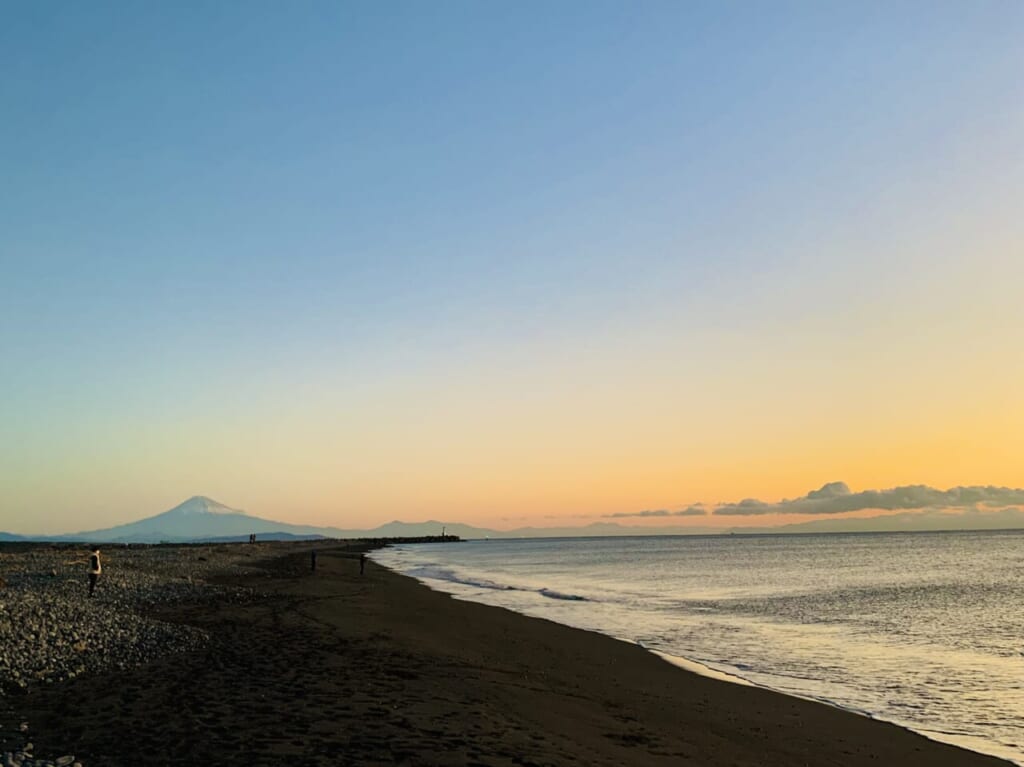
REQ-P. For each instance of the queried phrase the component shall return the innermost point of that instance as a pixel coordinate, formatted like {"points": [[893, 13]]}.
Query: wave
{"points": [[437, 573], [558, 595], [433, 572]]}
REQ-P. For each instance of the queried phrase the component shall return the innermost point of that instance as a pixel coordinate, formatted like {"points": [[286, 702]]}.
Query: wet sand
{"points": [[334, 668]]}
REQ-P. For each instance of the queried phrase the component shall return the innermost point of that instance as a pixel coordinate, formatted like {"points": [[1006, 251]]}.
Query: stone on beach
{"points": [[53, 632]]}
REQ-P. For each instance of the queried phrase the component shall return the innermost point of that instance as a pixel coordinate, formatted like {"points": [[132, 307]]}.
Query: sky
{"points": [[505, 263]]}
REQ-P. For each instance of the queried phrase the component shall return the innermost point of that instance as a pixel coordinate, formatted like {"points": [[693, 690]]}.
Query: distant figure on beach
{"points": [[362, 563], [252, 537], [312, 560], [95, 568]]}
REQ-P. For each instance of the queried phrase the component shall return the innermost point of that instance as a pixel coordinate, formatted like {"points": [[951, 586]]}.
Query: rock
{"points": [[52, 632]]}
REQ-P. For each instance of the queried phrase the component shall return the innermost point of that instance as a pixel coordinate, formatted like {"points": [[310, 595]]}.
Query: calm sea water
{"points": [[924, 630]]}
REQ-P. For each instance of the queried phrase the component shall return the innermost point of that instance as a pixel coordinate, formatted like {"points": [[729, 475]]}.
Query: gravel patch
{"points": [[51, 630]]}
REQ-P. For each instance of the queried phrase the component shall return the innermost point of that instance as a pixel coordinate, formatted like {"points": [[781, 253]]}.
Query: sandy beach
{"points": [[332, 667]]}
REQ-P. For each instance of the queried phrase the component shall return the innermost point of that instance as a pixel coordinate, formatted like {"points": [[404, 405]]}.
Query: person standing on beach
{"points": [[362, 563], [95, 568]]}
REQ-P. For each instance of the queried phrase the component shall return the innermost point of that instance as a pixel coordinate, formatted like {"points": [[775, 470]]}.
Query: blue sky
{"points": [[220, 223]]}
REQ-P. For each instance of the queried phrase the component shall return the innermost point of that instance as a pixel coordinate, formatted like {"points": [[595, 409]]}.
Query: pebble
{"points": [[52, 631]]}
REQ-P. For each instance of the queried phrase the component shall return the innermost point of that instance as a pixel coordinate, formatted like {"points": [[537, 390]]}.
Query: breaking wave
{"points": [[437, 573]]}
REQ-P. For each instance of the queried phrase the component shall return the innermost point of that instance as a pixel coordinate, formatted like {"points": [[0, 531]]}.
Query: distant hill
{"points": [[263, 537], [468, 532], [203, 519], [198, 518]]}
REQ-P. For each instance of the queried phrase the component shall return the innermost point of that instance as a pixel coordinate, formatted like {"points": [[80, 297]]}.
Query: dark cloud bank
{"points": [[836, 498]]}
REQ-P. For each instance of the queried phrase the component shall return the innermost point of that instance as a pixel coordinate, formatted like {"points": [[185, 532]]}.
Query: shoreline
{"points": [[966, 742], [336, 668], [696, 667]]}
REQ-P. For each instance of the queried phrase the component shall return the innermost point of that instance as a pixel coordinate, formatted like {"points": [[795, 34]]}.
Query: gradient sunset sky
{"points": [[505, 263]]}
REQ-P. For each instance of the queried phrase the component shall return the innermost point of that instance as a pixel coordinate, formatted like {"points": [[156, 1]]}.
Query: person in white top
{"points": [[95, 568]]}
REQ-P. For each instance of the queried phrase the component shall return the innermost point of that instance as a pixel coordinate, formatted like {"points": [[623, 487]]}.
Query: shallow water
{"points": [[924, 630]]}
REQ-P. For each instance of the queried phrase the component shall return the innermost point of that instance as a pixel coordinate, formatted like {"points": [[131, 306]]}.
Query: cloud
{"points": [[648, 513], [830, 490], [696, 509], [836, 498]]}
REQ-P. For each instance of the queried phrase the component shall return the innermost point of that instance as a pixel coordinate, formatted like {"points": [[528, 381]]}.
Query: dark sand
{"points": [[336, 669]]}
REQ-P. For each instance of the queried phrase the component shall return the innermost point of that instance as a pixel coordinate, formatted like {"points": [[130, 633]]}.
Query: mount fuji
{"points": [[198, 518], [204, 519]]}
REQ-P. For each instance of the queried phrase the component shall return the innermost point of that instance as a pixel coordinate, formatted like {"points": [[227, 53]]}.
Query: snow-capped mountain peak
{"points": [[200, 504]]}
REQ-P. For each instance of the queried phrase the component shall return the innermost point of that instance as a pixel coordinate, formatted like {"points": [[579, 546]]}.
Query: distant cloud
{"points": [[647, 513], [695, 510], [836, 498], [830, 490]]}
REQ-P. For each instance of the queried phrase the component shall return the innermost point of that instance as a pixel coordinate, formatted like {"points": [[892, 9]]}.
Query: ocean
{"points": [[925, 630]]}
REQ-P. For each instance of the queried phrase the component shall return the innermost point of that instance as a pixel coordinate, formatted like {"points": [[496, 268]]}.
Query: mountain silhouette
{"points": [[198, 518]]}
